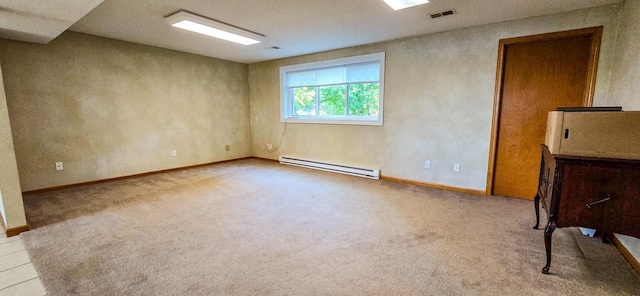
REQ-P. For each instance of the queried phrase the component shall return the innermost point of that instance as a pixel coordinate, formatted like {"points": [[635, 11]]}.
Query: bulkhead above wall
{"points": [[40, 21]]}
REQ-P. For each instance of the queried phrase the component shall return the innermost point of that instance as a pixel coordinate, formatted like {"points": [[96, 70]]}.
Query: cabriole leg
{"points": [[548, 231], [536, 205]]}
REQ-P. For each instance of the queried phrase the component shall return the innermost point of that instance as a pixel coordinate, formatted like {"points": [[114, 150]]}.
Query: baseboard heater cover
{"points": [[331, 167]]}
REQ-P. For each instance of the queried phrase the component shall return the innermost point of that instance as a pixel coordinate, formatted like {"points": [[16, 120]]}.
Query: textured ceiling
{"points": [[299, 26]]}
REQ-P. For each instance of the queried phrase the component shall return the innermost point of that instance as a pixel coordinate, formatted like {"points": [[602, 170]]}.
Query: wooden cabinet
{"points": [[600, 193]]}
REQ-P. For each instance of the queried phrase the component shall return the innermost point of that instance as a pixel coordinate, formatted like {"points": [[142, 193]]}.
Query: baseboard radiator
{"points": [[331, 167]]}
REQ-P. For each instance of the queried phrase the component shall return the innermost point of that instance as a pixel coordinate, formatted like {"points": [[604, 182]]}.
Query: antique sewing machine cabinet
{"points": [[593, 192]]}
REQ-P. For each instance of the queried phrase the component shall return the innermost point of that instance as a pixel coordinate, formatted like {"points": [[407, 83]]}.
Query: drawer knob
{"points": [[590, 205]]}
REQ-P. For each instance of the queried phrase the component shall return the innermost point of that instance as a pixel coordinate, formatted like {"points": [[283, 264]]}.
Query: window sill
{"points": [[373, 122]]}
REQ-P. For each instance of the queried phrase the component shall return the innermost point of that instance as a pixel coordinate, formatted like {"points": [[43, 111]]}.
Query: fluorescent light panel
{"points": [[402, 4], [209, 27]]}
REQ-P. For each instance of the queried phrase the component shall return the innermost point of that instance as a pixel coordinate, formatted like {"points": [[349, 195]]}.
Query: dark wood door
{"points": [[537, 77]]}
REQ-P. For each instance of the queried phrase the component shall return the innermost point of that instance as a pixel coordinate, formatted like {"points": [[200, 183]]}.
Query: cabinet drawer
{"points": [[613, 194]]}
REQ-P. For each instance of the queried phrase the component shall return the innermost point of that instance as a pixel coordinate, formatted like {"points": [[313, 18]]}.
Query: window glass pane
{"points": [[330, 75], [300, 78], [304, 101], [364, 99], [332, 100], [363, 72]]}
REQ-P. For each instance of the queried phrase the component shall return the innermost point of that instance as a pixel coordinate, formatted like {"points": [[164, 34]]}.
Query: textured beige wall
{"points": [[439, 92], [109, 108], [625, 83], [11, 206]]}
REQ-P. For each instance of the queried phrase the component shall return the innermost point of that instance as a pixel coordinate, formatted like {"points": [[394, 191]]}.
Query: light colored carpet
{"points": [[254, 227]]}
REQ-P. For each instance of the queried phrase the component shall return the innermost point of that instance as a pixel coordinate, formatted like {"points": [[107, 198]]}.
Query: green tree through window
{"points": [[364, 99], [304, 101], [332, 100]]}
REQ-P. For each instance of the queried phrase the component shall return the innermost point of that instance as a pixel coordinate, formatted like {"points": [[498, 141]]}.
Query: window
{"points": [[342, 91]]}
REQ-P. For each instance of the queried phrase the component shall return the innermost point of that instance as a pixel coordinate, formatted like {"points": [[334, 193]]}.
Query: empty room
{"points": [[298, 147]]}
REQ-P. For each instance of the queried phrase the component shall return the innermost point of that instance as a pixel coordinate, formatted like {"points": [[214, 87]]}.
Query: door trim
{"points": [[594, 52]]}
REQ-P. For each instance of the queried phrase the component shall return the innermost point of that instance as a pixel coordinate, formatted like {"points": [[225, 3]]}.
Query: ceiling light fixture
{"points": [[195, 23], [402, 4]]}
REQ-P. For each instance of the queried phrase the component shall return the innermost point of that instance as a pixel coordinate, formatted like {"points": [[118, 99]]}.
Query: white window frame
{"points": [[286, 103]]}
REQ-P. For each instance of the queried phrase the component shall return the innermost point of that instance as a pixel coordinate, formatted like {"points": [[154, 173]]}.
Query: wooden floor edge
{"points": [[433, 185], [625, 253], [12, 231], [412, 182], [263, 158], [48, 189], [16, 230]]}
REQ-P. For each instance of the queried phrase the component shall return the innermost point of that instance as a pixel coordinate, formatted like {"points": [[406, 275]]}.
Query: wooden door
{"points": [[536, 75]]}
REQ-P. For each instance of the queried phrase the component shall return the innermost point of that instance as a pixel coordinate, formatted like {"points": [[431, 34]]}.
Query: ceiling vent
{"points": [[443, 13]]}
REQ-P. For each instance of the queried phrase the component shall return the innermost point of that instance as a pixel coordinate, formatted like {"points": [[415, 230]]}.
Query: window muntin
{"points": [[342, 91]]}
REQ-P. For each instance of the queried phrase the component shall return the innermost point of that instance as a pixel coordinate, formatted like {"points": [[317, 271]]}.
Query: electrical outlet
{"points": [[227, 147], [456, 168], [59, 166], [269, 147], [427, 164], [174, 153]]}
